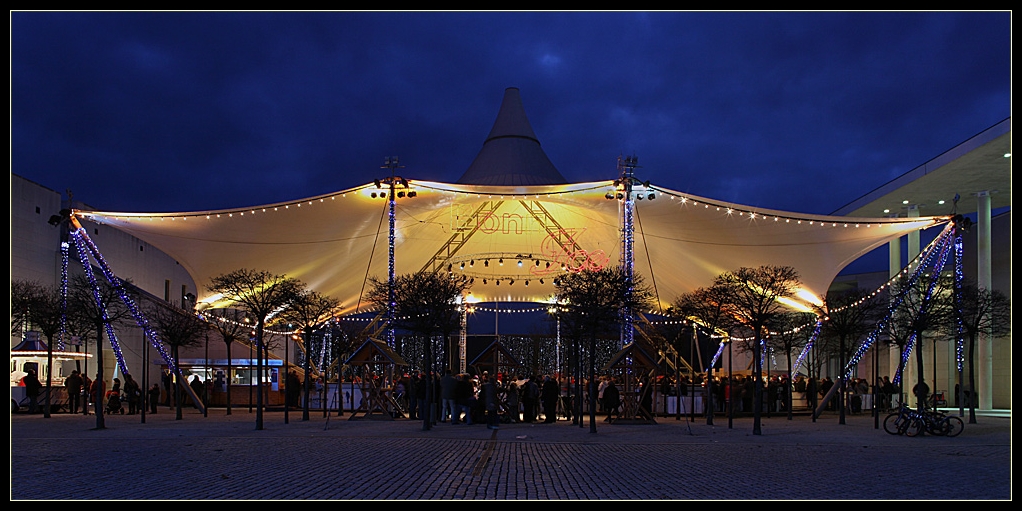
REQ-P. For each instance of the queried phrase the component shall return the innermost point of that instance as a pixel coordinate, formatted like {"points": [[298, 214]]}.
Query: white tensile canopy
{"points": [[512, 206]]}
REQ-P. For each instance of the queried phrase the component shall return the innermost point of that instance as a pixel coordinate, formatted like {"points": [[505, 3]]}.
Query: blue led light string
{"points": [[79, 244], [937, 267], [808, 346], [716, 356], [959, 277], [140, 319], [63, 294], [924, 260]]}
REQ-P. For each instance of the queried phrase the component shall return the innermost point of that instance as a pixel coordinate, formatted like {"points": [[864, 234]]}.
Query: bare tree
{"points": [[850, 316], [262, 294], [103, 307], [428, 304], [752, 300], [707, 306], [178, 329], [982, 312], [592, 301], [927, 307], [232, 326], [23, 292], [791, 331], [44, 311], [307, 312]]}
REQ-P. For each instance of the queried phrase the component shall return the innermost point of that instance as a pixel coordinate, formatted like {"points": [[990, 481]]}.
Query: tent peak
{"points": [[511, 154]]}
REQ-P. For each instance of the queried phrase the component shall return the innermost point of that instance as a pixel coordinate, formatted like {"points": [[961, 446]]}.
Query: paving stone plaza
{"points": [[222, 457]]}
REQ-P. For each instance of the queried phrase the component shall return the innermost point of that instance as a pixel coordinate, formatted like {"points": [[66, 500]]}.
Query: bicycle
{"points": [[937, 423], [904, 422]]}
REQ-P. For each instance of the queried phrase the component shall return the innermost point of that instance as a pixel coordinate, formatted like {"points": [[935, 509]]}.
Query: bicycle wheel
{"points": [[913, 426], [891, 424], [953, 426]]}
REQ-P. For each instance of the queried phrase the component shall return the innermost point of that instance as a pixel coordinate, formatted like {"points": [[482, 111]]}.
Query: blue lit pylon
{"points": [[627, 166], [391, 162]]}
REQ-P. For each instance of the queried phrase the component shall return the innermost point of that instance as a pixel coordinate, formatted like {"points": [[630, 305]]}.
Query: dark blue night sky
{"points": [[802, 111]]}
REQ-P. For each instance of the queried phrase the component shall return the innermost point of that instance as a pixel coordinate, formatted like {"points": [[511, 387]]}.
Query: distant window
{"points": [[141, 248], [37, 210], [166, 290], [95, 231]]}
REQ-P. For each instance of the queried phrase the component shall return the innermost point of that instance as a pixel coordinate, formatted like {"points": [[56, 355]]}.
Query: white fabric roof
{"points": [[332, 242]]}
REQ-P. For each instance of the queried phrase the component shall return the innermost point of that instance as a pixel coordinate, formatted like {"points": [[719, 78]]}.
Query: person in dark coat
{"points": [[132, 392], [74, 384], [549, 394], [32, 389], [612, 400]]}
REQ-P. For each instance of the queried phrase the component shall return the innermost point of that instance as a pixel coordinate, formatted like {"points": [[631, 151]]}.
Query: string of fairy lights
{"points": [[647, 192]]}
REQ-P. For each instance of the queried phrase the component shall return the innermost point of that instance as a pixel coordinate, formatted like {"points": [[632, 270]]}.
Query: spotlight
{"points": [[501, 261], [620, 195], [537, 262], [400, 195], [526, 283], [486, 263], [462, 265], [609, 196], [548, 264], [519, 263], [541, 281], [512, 282], [449, 267], [472, 263], [498, 282], [373, 195], [484, 282], [651, 196], [412, 193], [638, 196]]}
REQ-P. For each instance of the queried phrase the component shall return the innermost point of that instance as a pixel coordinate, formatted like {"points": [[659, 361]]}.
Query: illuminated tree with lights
{"points": [[591, 302], [427, 304], [982, 312], [261, 294], [752, 299]]}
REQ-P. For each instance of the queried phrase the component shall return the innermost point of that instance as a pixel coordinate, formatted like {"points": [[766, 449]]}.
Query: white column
{"points": [[984, 280], [894, 267], [909, 377]]}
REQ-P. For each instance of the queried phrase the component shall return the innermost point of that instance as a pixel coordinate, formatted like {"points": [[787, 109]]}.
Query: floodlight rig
{"points": [[626, 166], [392, 181]]}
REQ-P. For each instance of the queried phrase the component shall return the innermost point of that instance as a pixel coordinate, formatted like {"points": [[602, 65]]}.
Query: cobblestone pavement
{"points": [[222, 457]]}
